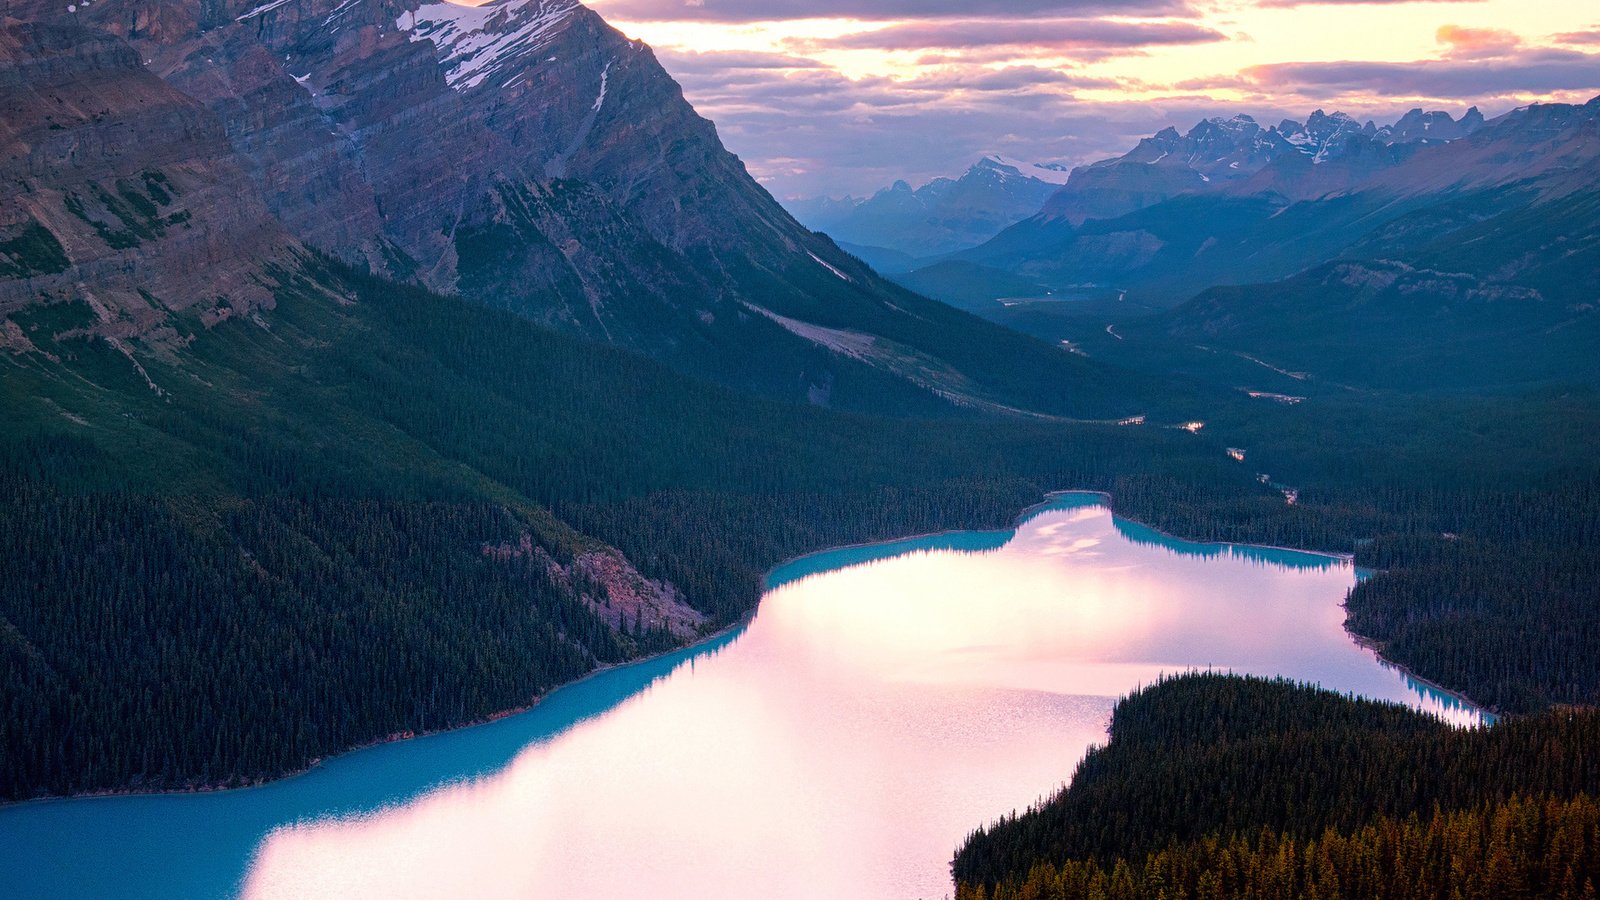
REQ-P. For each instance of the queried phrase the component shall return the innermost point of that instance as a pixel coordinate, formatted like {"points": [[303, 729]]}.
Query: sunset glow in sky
{"points": [[836, 96]]}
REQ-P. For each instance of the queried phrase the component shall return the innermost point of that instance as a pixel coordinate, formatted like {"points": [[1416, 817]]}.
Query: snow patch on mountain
{"points": [[475, 42], [265, 7], [1054, 173], [602, 98], [829, 266]]}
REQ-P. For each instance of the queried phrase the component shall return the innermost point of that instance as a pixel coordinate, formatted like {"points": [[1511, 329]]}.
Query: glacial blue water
{"points": [[883, 701]]}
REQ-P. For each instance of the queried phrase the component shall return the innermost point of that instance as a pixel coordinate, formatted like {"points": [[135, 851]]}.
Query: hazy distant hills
{"points": [[523, 154], [942, 216]]}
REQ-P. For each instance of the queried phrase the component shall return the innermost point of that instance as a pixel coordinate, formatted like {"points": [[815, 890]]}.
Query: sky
{"points": [[829, 97]]}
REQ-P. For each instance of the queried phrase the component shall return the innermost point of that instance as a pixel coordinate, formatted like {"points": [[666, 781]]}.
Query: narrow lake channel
{"points": [[883, 701]]}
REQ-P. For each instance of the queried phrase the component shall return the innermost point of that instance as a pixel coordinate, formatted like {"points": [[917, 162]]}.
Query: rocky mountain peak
{"points": [[1007, 167], [497, 41], [523, 154], [1229, 152]]}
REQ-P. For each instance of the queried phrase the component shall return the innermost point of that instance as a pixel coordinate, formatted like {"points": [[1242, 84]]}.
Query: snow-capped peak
{"points": [[475, 42], [1047, 173]]}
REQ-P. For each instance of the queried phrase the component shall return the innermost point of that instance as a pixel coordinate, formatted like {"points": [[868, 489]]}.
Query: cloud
{"points": [[806, 131], [1530, 72], [1282, 3], [879, 10], [1477, 41], [690, 63], [1049, 33], [1589, 36], [830, 96]]}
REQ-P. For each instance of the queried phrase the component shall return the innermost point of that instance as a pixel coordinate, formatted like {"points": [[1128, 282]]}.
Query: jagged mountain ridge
{"points": [[943, 215], [1256, 229], [1220, 152], [527, 155]]}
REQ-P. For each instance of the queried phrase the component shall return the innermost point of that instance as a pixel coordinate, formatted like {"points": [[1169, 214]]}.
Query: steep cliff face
{"points": [[528, 156], [122, 212], [385, 131]]}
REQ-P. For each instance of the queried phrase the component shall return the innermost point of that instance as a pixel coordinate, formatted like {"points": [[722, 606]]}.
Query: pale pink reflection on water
{"points": [[846, 742]]}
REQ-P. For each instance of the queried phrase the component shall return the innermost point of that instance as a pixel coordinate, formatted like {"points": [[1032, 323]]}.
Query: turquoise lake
{"points": [[882, 702]]}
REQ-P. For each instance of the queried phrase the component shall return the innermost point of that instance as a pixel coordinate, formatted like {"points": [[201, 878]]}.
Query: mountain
{"points": [[942, 216], [1293, 212], [1477, 263], [821, 213], [121, 196], [1220, 152], [1471, 264], [524, 155], [1114, 218]]}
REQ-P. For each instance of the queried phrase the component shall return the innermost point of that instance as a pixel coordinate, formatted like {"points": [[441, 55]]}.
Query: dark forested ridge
{"points": [[1216, 777]]}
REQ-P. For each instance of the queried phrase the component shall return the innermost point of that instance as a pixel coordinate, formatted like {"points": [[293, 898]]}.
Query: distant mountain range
{"points": [[1293, 159], [900, 228], [1436, 244], [900, 224]]}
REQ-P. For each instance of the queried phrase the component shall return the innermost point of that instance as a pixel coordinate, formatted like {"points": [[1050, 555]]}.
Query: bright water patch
{"points": [[883, 702]]}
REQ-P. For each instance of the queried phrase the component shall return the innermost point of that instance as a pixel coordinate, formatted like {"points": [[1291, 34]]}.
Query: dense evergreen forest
{"points": [[1221, 786], [274, 538], [1519, 848], [282, 553]]}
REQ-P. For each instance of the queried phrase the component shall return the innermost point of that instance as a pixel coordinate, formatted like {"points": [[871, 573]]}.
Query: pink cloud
{"points": [[1097, 34], [1477, 41]]}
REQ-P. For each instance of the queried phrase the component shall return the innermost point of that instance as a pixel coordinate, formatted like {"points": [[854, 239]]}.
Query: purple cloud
{"points": [[1538, 71], [1352, 2], [1591, 36], [877, 10], [1052, 33]]}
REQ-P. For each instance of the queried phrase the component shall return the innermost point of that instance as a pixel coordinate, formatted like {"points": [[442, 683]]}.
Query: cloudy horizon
{"points": [[835, 97]]}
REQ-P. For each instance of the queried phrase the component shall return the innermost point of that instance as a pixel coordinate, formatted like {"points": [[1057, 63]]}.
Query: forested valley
{"points": [[276, 540]]}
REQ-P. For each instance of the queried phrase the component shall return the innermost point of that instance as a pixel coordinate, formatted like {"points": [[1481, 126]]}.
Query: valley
{"points": [[379, 368], [853, 658]]}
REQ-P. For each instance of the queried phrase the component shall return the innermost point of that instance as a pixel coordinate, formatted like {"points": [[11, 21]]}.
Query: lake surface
{"points": [[883, 702]]}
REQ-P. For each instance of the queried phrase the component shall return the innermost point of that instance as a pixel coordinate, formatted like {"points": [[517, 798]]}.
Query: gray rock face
{"points": [[383, 131], [120, 196], [526, 155]]}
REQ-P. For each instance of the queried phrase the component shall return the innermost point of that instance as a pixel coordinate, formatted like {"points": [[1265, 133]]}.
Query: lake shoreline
{"points": [[1376, 646], [1107, 500], [397, 737]]}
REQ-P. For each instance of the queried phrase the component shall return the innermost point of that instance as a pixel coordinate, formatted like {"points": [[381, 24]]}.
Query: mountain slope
{"points": [[390, 511], [122, 193], [1482, 271], [528, 156]]}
